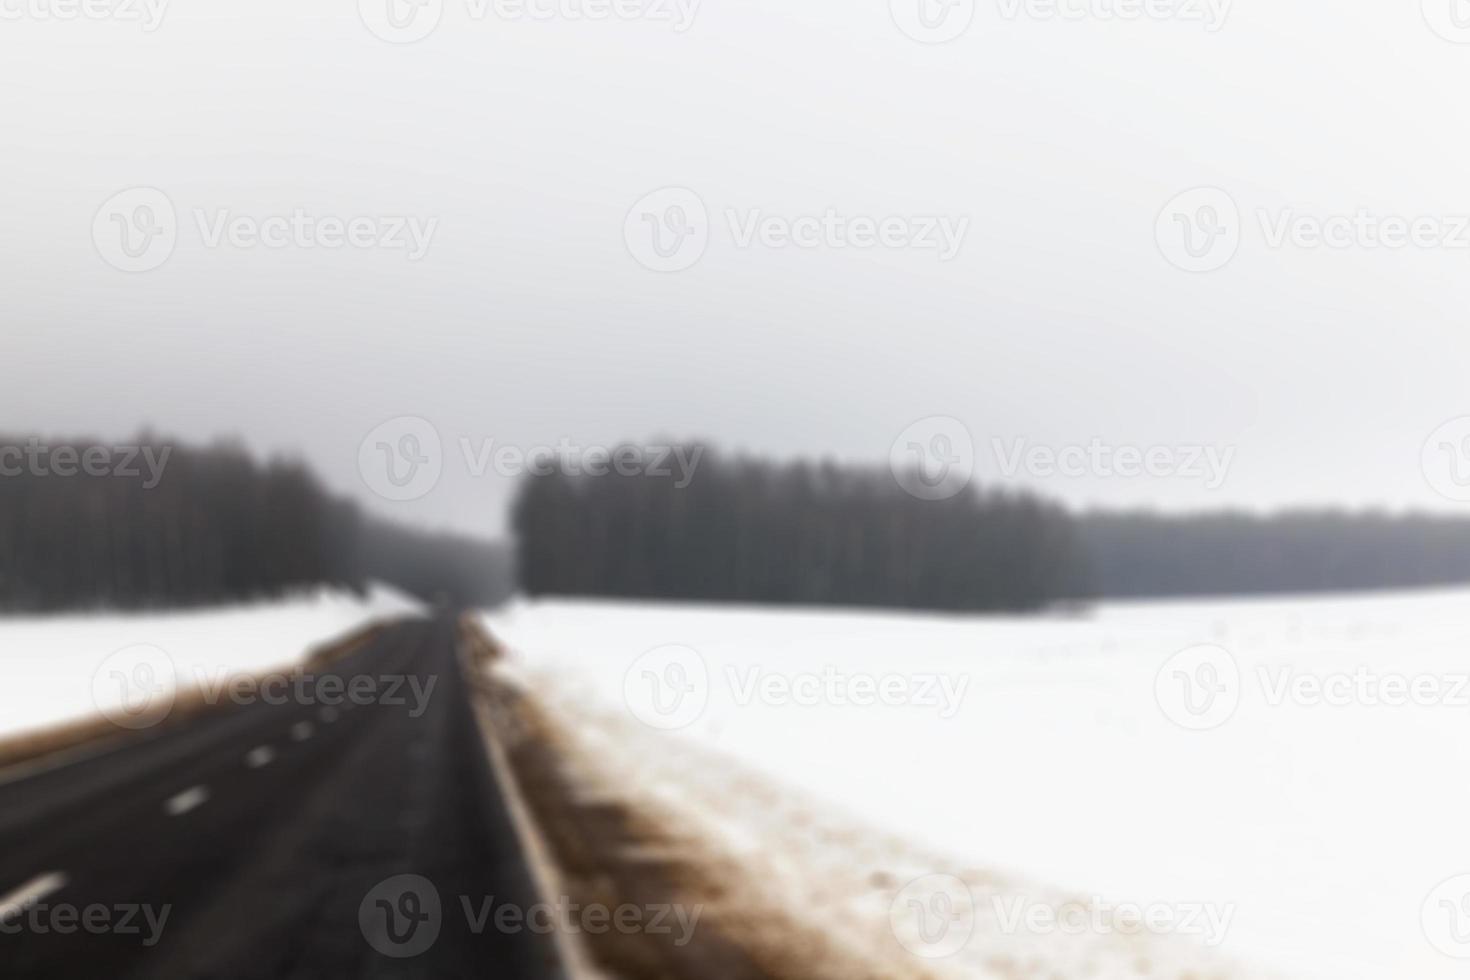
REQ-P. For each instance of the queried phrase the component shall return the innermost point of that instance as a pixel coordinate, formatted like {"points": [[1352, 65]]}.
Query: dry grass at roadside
{"points": [[611, 848], [790, 885]]}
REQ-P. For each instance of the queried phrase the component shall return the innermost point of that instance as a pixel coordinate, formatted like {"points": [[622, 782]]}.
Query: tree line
{"points": [[759, 531], [1145, 554], [801, 532], [210, 524]]}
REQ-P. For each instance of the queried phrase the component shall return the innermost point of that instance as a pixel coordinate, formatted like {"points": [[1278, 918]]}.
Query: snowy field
{"points": [[62, 668], [1293, 793]]}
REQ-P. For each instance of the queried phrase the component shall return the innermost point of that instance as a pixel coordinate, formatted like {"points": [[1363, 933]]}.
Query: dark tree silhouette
{"points": [[219, 526], [216, 526], [757, 531], [1145, 554]]}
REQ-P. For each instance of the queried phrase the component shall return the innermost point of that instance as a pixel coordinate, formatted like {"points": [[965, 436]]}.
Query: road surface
{"points": [[269, 840]]}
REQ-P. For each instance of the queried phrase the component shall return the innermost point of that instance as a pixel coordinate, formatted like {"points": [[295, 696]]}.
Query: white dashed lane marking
{"points": [[301, 731], [188, 800], [30, 893], [262, 756]]}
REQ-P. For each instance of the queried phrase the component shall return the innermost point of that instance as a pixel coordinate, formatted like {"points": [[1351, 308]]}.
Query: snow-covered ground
{"points": [[1080, 752], [63, 668]]}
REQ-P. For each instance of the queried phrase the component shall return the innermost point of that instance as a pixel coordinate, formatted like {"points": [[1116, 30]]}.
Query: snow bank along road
{"points": [[272, 840], [1324, 816]]}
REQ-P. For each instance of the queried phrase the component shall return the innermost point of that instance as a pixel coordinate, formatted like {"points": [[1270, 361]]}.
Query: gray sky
{"points": [[529, 319]]}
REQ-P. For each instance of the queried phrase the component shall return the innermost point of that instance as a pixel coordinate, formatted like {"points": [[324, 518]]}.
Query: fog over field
{"points": [[1059, 138]]}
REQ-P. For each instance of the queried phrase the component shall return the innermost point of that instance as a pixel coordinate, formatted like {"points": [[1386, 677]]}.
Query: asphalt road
{"points": [[269, 840]]}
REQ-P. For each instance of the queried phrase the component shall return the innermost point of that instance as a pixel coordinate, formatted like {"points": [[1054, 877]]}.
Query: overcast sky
{"points": [[529, 319]]}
